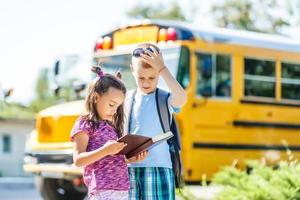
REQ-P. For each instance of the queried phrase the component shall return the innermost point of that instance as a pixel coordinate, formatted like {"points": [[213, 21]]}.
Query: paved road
{"points": [[13, 188], [24, 189], [19, 194]]}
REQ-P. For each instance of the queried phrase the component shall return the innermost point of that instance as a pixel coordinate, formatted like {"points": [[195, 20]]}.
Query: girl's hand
{"points": [[138, 158], [154, 59], [113, 147]]}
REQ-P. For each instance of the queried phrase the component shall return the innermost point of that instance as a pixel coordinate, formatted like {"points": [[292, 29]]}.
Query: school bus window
{"points": [[290, 80], [259, 78], [171, 59], [223, 76], [214, 77], [183, 75]]}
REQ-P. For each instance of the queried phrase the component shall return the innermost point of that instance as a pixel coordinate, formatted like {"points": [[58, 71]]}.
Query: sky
{"points": [[33, 33]]}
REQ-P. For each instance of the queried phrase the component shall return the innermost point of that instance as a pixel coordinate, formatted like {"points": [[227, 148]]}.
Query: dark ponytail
{"points": [[101, 85]]}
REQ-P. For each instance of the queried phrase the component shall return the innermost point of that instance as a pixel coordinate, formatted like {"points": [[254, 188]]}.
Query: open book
{"points": [[139, 143]]}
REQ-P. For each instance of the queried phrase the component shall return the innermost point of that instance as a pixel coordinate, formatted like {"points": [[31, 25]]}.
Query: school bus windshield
{"points": [[121, 62]]}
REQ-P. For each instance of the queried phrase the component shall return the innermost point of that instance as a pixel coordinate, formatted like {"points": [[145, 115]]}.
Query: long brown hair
{"points": [[101, 85]]}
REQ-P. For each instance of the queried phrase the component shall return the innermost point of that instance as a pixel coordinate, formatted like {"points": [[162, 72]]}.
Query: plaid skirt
{"points": [[151, 183]]}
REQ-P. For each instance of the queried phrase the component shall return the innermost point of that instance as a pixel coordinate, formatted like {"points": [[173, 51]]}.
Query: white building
{"points": [[13, 134]]}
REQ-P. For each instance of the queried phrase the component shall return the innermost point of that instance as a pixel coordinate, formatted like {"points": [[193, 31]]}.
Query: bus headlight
{"points": [[30, 160]]}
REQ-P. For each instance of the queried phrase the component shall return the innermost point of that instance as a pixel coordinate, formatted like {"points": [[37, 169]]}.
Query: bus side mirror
{"points": [[56, 68], [79, 87], [56, 91], [8, 93]]}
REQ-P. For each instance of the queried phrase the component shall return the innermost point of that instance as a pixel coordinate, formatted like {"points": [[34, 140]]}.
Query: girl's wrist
{"points": [[105, 151]]}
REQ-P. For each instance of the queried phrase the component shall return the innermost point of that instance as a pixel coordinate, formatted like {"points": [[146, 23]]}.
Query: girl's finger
{"points": [[120, 144]]}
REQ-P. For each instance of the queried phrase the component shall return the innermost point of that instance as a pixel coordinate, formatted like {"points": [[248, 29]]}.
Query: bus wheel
{"points": [[57, 189]]}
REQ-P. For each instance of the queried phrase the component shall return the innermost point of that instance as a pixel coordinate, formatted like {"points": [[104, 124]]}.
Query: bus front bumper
{"points": [[51, 170], [51, 164]]}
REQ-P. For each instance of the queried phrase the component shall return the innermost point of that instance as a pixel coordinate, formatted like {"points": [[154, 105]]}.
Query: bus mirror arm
{"points": [[57, 90], [79, 87], [56, 68]]}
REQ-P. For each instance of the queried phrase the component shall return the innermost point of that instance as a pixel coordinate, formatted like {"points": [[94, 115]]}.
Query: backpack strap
{"points": [[163, 109], [127, 109], [166, 118]]}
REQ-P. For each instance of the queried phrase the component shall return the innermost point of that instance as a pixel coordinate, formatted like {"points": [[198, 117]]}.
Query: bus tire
{"points": [[57, 189]]}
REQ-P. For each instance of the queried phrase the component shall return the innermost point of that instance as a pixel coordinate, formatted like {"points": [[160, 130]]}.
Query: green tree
{"points": [[43, 96], [263, 16], [172, 12], [42, 85]]}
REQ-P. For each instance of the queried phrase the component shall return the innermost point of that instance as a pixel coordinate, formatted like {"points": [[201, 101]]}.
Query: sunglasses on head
{"points": [[139, 51]]}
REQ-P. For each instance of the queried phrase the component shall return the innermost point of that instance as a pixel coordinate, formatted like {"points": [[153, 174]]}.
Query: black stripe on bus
{"points": [[243, 146], [265, 124], [269, 103]]}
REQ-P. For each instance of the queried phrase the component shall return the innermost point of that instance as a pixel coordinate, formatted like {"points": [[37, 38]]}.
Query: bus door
{"points": [[211, 115]]}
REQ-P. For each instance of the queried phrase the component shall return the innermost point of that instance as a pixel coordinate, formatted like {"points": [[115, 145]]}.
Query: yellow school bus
{"points": [[243, 94]]}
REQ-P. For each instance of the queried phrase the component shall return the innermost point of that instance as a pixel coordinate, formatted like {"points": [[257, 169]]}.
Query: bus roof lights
{"points": [[99, 44], [107, 42], [171, 34], [103, 43], [167, 35], [162, 35]]}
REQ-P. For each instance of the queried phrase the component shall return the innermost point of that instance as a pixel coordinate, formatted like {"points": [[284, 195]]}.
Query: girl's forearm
{"points": [[179, 97], [86, 158]]}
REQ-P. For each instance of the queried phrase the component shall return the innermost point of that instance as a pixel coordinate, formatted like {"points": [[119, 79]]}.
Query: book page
{"points": [[162, 136]]}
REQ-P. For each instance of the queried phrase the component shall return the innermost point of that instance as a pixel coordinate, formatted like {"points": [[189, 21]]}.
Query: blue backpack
{"points": [[168, 123]]}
